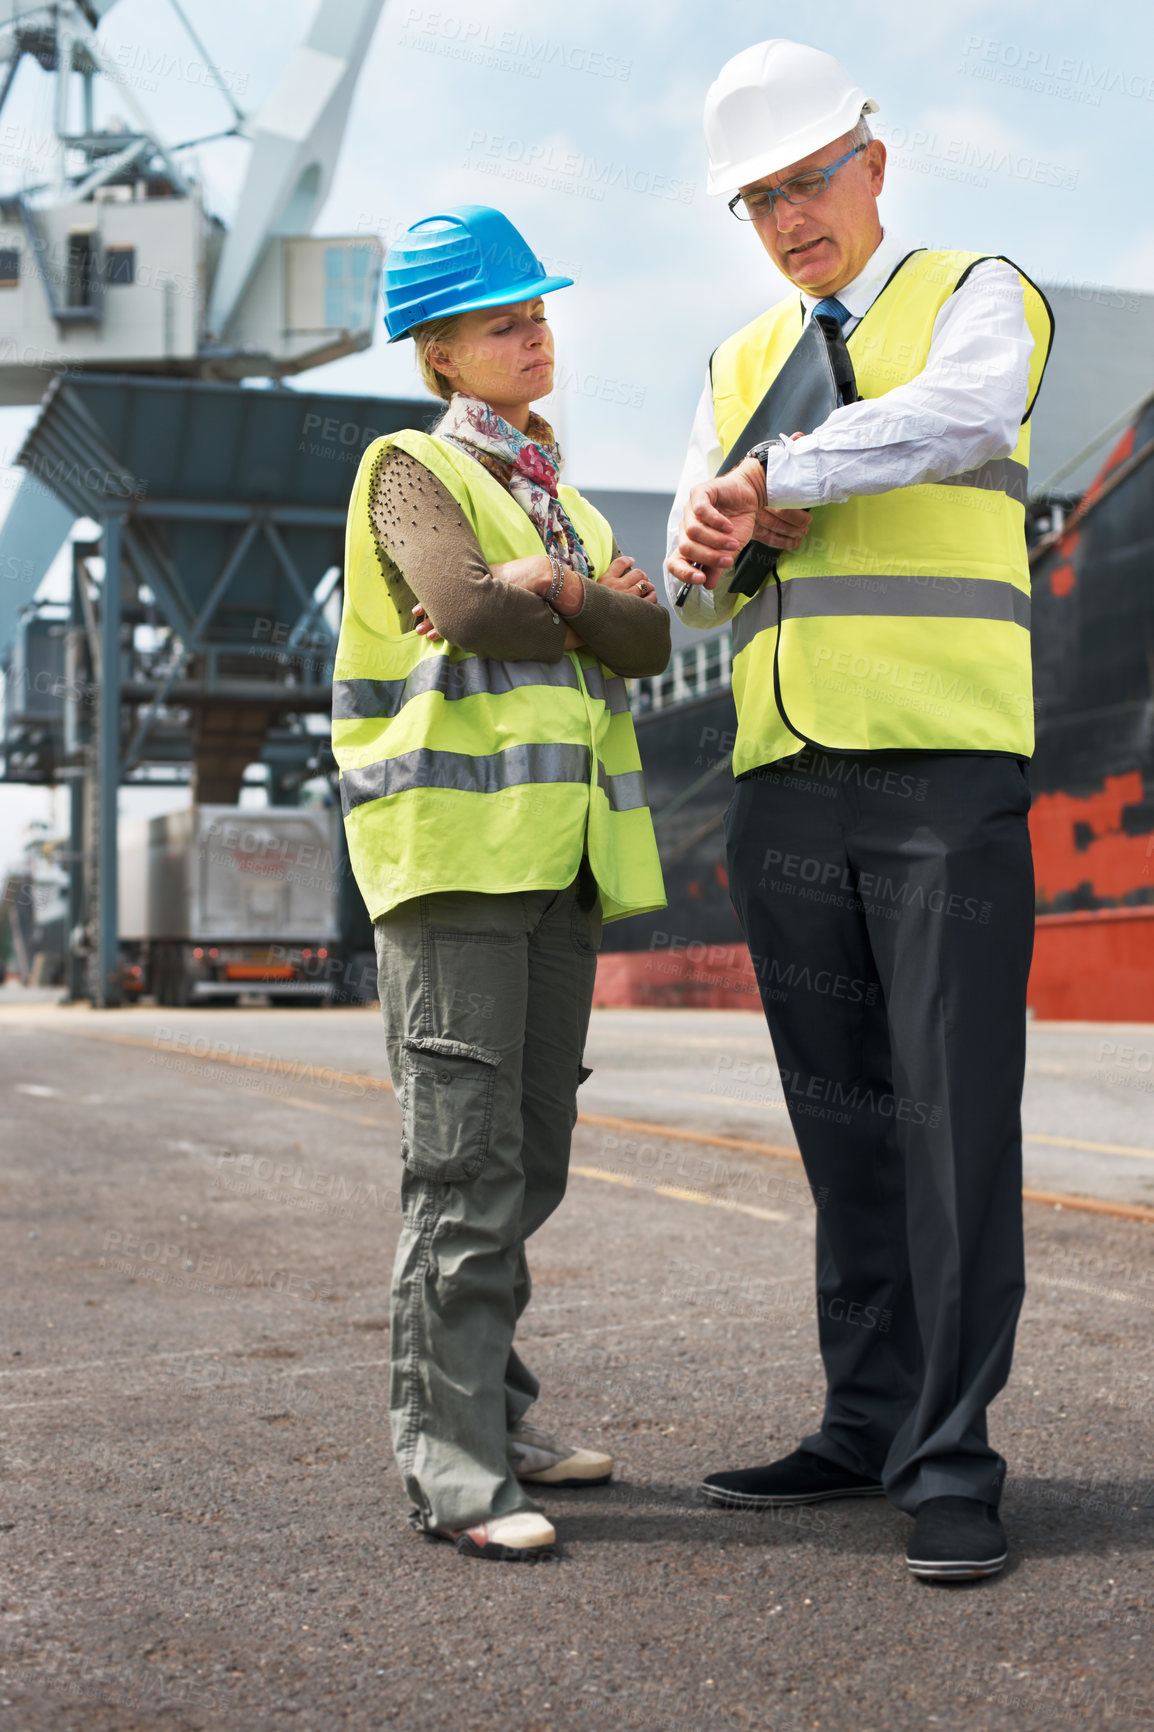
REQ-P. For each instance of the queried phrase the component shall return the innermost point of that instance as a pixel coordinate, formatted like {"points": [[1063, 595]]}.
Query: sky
{"points": [[1013, 128]]}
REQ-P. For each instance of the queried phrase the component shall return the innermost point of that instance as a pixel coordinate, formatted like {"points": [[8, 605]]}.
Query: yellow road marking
{"points": [[323, 1107], [683, 1136], [1090, 1205], [678, 1195], [718, 1203], [280, 1067], [1098, 1148], [1118, 1293], [720, 1099], [607, 1178], [295, 1067], [672, 1133]]}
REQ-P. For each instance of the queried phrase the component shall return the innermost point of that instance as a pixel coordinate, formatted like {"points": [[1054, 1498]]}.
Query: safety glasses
{"points": [[750, 207]]}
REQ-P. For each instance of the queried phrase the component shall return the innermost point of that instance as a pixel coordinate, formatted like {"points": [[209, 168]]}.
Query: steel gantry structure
{"points": [[200, 634]]}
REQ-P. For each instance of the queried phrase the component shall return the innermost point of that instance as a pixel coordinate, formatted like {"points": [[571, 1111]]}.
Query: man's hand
{"points": [[781, 526], [721, 516]]}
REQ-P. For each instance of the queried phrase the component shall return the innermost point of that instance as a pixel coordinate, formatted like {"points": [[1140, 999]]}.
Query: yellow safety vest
{"points": [[905, 616], [460, 772]]}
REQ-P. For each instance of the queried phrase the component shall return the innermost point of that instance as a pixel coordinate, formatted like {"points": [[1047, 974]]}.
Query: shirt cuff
{"points": [[792, 475]]}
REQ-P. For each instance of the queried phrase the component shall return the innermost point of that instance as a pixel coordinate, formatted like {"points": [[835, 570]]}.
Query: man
{"points": [[879, 858]]}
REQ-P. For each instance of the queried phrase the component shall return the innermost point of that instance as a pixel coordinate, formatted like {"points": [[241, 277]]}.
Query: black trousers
{"points": [[888, 904]]}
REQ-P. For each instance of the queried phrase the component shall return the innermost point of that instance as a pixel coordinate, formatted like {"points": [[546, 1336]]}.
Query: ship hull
{"points": [[1092, 780]]}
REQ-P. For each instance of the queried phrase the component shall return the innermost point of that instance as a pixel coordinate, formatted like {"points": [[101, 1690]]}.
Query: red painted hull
{"points": [[1093, 966]]}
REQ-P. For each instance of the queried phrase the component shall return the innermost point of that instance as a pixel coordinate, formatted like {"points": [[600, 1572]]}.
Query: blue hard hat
{"points": [[461, 259]]}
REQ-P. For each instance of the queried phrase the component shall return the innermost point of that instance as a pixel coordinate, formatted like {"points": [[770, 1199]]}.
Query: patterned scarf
{"points": [[526, 463]]}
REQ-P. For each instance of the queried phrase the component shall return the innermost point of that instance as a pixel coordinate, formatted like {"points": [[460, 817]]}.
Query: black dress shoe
{"points": [[797, 1478], [956, 1539]]}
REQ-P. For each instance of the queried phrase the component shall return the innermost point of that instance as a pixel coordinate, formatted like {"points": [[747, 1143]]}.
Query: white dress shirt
{"points": [[964, 408]]}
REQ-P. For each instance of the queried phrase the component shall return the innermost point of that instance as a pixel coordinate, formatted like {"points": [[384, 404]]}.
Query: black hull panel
{"points": [[1093, 770], [686, 754]]}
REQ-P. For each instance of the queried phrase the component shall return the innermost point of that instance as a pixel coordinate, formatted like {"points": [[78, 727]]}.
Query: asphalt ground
{"points": [[201, 1522]]}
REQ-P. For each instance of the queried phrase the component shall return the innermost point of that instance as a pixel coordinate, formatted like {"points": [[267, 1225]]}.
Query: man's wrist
{"points": [[754, 467]]}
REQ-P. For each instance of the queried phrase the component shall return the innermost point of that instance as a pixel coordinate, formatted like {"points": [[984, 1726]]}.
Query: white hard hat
{"points": [[773, 104]]}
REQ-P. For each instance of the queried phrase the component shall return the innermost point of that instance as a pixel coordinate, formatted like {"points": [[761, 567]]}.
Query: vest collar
{"points": [[860, 295]]}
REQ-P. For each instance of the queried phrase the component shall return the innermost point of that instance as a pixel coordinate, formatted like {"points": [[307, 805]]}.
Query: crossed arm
{"points": [[437, 575]]}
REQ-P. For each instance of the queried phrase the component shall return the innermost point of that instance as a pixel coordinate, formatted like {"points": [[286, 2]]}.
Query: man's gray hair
{"points": [[861, 133]]}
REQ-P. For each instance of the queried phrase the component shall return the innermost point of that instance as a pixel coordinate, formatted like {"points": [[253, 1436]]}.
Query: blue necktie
{"points": [[831, 308]]}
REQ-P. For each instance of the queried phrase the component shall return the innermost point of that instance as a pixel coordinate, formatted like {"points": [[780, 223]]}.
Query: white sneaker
{"points": [[522, 1536], [540, 1460]]}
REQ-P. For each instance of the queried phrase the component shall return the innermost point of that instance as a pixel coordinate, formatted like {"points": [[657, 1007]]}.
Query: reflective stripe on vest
{"points": [[611, 691], [625, 791], [999, 475], [515, 767], [912, 597], [367, 700], [364, 700]]}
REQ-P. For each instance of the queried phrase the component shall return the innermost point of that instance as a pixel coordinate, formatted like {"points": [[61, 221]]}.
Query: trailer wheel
{"points": [[174, 988]]}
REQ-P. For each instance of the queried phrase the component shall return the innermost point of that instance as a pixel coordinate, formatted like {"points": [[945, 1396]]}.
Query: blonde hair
{"points": [[424, 336]]}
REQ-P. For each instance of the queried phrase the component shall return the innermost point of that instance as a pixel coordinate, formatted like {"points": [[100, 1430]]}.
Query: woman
{"points": [[495, 814]]}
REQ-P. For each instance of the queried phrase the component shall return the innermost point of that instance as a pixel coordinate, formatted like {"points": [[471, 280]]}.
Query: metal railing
{"points": [[694, 671]]}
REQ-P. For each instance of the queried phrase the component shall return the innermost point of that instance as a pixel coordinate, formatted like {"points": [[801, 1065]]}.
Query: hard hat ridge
{"points": [[467, 257], [774, 104]]}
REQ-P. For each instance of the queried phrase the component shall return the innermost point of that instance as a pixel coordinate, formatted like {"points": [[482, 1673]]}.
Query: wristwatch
{"points": [[762, 451]]}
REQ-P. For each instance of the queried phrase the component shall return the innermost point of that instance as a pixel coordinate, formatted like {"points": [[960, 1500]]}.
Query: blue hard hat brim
{"points": [[476, 303]]}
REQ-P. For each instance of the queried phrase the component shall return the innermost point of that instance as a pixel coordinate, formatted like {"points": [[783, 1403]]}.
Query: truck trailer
{"points": [[218, 901]]}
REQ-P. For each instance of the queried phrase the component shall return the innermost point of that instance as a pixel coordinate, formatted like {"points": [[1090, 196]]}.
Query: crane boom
{"points": [[296, 138]]}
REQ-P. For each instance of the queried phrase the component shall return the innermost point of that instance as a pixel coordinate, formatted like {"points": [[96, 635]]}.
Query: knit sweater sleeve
{"points": [[629, 635], [429, 554]]}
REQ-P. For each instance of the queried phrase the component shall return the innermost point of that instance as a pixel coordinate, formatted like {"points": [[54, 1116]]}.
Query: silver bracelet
{"points": [[558, 583]]}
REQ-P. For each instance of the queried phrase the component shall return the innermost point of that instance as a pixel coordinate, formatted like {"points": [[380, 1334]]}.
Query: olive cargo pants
{"points": [[486, 1002]]}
